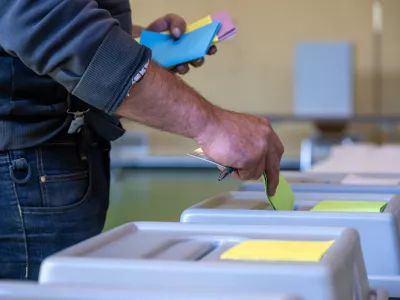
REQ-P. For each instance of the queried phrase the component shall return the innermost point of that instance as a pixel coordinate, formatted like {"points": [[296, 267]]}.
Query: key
{"points": [[76, 125], [77, 122]]}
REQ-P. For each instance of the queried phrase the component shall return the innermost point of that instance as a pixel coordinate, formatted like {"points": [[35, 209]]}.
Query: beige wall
{"points": [[253, 73], [391, 57]]}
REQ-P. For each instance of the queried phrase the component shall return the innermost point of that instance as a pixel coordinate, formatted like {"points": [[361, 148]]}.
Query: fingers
{"points": [[220, 168], [272, 163], [272, 169], [184, 68], [175, 24], [181, 69], [158, 25], [254, 171], [260, 169], [212, 50], [197, 63], [236, 175], [278, 144]]}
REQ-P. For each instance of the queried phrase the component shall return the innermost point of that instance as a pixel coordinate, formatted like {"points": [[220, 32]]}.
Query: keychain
{"points": [[77, 122]]}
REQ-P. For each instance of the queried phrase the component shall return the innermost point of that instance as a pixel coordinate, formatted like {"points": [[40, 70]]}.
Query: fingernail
{"points": [[176, 32], [182, 70]]}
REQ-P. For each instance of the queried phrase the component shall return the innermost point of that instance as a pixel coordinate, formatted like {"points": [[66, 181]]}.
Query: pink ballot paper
{"points": [[227, 28]]}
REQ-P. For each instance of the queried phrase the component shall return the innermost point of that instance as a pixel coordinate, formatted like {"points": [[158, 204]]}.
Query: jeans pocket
{"points": [[64, 192], [61, 181]]}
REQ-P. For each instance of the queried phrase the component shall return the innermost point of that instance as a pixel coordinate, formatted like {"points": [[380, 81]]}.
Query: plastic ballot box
{"points": [[32, 291], [375, 216], [312, 263], [334, 183]]}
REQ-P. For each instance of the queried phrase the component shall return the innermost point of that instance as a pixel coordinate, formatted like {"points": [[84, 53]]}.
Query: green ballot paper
{"points": [[284, 196], [350, 206]]}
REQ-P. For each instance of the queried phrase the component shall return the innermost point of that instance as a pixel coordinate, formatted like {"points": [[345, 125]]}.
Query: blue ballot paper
{"points": [[169, 52]]}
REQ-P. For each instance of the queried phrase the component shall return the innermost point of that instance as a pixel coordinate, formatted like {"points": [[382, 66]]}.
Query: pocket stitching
{"points": [[40, 168], [65, 208], [60, 209], [66, 177]]}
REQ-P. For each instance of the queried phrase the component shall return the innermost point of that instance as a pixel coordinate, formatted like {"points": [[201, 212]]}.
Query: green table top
{"points": [[161, 195]]}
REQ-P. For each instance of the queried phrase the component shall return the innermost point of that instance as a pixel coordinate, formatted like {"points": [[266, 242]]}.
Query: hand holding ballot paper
{"points": [[246, 145], [194, 44], [284, 196]]}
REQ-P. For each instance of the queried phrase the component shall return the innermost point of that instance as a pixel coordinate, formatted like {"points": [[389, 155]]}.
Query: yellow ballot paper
{"points": [[200, 23], [284, 196], [275, 250], [350, 206]]}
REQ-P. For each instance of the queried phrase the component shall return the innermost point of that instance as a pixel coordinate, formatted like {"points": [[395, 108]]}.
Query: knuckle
{"points": [[257, 175], [265, 121], [280, 148], [266, 132], [244, 175]]}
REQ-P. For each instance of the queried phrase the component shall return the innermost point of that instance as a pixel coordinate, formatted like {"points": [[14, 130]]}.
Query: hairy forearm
{"points": [[163, 101]]}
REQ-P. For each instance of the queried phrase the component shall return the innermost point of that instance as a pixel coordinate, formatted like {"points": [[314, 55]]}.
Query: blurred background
{"points": [[325, 72]]}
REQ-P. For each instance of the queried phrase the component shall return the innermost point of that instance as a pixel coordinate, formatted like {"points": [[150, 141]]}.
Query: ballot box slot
{"points": [[253, 204], [188, 249]]}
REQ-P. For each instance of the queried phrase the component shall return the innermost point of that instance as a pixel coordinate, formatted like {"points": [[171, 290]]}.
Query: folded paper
{"points": [[350, 206], [200, 23], [277, 250], [226, 30], [284, 196], [169, 52]]}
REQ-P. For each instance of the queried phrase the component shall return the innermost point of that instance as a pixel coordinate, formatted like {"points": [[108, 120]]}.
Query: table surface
{"points": [[161, 194]]}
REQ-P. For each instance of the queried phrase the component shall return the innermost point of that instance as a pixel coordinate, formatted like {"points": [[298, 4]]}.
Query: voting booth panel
{"points": [[335, 183], [311, 263], [379, 230], [10, 290]]}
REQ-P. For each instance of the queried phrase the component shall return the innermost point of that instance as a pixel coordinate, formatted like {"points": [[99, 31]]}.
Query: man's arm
{"points": [[164, 101], [247, 143], [76, 43], [137, 31]]}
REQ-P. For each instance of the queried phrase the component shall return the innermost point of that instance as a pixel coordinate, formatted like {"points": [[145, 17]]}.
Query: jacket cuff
{"points": [[112, 71]]}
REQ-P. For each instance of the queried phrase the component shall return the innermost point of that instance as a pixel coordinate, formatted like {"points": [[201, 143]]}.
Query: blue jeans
{"points": [[51, 197]]}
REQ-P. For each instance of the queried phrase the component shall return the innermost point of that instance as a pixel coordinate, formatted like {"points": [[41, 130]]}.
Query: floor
{"points": [[161, 195]]}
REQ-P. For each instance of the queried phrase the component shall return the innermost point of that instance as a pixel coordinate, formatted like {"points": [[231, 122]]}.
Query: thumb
{"points": [[177, 25]]}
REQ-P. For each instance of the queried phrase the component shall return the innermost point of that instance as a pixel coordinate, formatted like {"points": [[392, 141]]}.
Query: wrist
{"points": [[211, 119], [137, 31]]}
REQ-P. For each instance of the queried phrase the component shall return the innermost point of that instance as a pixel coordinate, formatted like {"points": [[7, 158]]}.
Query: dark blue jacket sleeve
{"points": [[75, 42]]}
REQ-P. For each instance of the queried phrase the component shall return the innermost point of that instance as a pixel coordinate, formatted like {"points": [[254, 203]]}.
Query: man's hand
{"points": [[176, 25], [244, 142], [247, 143]]}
